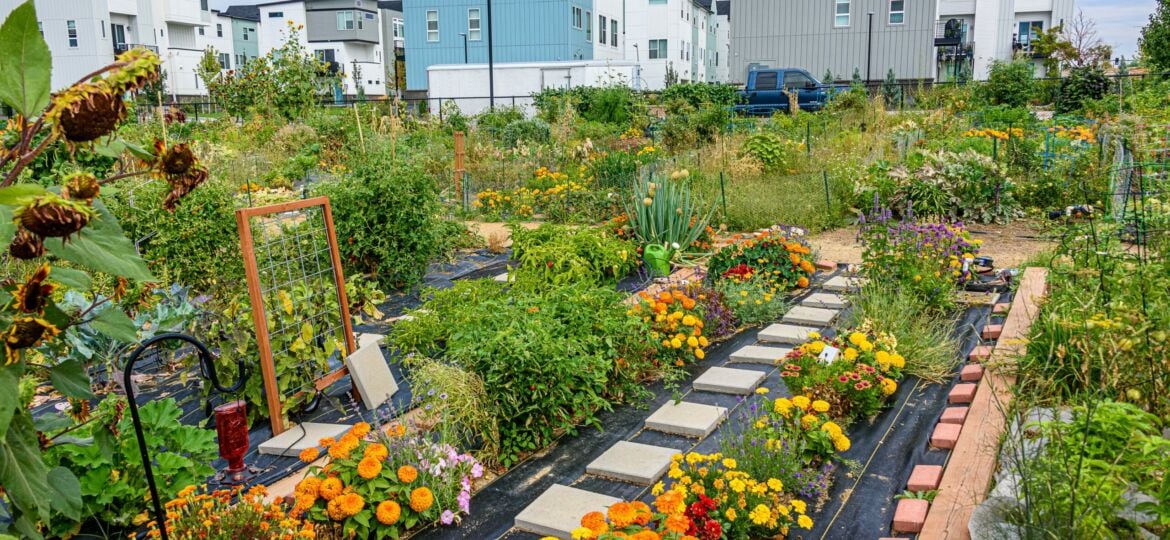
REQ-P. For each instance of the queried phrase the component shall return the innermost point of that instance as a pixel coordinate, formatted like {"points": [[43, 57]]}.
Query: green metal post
{"points": [[828, 201], [723, 194]]}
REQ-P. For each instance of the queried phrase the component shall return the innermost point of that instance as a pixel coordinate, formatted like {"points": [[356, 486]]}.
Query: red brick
{"points": [[825, 264], [924, 478], [954, 415], [1001, 308], [945, 436], [962, 393], [980, 353], [971, 373], [992, 331], [910, 515]]}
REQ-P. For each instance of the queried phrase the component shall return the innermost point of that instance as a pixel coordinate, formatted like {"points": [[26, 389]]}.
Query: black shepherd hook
{"points": [[206, 361]]}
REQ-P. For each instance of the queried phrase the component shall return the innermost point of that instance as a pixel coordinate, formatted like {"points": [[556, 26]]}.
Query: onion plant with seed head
{"points": [[666, 212]]}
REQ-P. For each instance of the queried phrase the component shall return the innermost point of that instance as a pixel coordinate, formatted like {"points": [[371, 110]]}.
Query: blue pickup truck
{"points": [[765, 94]]}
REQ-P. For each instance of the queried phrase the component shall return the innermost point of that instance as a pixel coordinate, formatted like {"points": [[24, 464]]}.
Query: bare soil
{"points": [[1008, 245]]}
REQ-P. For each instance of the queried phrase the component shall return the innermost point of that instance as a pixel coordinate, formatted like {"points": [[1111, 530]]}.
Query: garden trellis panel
{"points": [[299, 307]]}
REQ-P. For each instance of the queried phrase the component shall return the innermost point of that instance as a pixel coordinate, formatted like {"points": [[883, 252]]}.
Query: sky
{"points": [[1119, 22]]}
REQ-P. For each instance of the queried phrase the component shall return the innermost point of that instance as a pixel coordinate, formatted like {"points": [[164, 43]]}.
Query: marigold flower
{"points": [[595, 523], [642, 513], [820, 406], [369, 467], [677, 523], [360, 429], [801, 402], [805, 522], [330, 488], [309, 454], [621, 514], [421, 499], [388, 512]]}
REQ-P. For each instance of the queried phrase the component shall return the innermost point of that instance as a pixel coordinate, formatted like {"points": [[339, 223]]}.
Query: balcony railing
{"points": [[120, 48], [1026, 48], [952, 32]]}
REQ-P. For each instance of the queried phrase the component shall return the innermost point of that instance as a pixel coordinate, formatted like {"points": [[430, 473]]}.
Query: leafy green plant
{"points": [[698, 94], [1008, 83], [778, 258], [559, 255], [924, 334], [754, 301], [771, 150], [523, 131], [927, 496], [666, 213], [459, 398]]}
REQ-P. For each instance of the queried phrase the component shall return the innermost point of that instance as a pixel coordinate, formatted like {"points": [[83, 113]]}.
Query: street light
{"points": [[464, 35], [869, 49]]}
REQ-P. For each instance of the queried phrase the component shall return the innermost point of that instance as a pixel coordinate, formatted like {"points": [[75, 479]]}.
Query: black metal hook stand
{"points": [[206, 361]]}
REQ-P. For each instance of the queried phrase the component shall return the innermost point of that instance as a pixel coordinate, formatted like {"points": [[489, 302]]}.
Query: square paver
{"points": [[962, 393], [758, 354], [366, 338], [785, 333], [501, 277], [632, 462], [559, 510], [296, 439], [825, 300], [924, 478], [371, 375], [686, 419], [842, 284], [729, 381], [810, 316]]}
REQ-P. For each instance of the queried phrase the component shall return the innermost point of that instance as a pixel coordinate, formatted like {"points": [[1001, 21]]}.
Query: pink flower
{"points": [[464, 501], [447, 517], [476, 470]]}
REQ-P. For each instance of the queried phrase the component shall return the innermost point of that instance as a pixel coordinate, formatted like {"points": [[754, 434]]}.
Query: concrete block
{"points": [[962, 393], [945, 436], [559, 510], [632, 462], [954, 415], [910, 515], [729, 380], [686, 419], [924, 478]]}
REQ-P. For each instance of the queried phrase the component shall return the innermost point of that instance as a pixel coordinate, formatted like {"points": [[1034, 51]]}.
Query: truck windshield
{"points": [[794, 79]]}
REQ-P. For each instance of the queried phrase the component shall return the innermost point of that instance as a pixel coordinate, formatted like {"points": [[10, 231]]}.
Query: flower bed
{"points": [[854, 372]]}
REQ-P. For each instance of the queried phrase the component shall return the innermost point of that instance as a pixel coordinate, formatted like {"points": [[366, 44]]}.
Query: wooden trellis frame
{"points": [[244, 217]]}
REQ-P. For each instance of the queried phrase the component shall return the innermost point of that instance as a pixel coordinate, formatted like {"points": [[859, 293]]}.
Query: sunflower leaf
{"points": [[25, 62], [102, 246]]}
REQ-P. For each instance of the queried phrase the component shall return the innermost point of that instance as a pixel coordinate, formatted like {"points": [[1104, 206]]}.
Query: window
{"points": [[682, 51], [225, 61], [657, 49], [71, 27], [1029, 31], [601, 24], [360, 24], [793, 79], [398, 28], [433, 25], [241, 59], [246, 34], [345, 20], [897, 11], [657, 1], [589, 27], [275, 14], [716, 58], [203, 5], [102, 25], [613, 25], [201, 30], [473, 29], [841, 13], [766, 80], [577, 17]]}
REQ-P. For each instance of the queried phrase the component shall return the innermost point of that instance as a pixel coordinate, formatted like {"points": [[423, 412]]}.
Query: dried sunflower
{"points": [[26, 245], [86, 111], [50, 216], [133, 70], [180, 168], [26, 332], [31, 295], [82, 186], [79, 410]]}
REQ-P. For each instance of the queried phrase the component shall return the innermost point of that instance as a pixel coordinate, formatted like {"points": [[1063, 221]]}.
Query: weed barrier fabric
{"points": [[861, 500]]}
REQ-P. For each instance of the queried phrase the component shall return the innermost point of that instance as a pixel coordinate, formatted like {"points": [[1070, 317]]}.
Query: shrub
{"points": [[1008, 83], [1082, 85], [753, 300], [494, 120], [523, 131], [774, 152], [924, 335], [779, 258], [699, 94], [384, 216], [558, 255]]}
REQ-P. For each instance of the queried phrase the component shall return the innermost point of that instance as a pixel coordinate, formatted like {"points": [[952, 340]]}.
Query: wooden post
{"points": [[460, 154]]}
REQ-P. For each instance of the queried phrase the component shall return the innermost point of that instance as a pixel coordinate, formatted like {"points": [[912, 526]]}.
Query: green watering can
{"points": [[657, 259]]}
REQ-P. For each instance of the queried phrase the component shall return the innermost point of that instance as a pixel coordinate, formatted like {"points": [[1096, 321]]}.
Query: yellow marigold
{"points": [[186, 491], [805, 522], [421, 499], [377, 451], [595, 523], [407, 474], [814, 335], [330, 488], [850, 354], [360, 429], [802, 282], [761, 390], [832, 429], [799, 506], [841, 443], [369, 467], [738, 485], [882, 358], [621, 514], [689, 320], [582, 533], [808, 421], [760, 514], [782, 406], [642, 513], [889, 386], [388, 512], [703, 341], [700, 354], [866, 346], [775, 485], [729, 463], [897, 361], [657, 489], [730, 514], [801, 402], [857, 338]]}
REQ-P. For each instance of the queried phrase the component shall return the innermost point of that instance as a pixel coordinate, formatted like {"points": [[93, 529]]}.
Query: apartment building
{"points": [[679, 36], [347, 34], [971, 34], [393, 44], [245, 23], [722, 39]]}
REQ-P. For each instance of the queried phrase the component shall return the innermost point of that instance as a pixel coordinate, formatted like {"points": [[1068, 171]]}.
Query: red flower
{"points": [[711, 530]]}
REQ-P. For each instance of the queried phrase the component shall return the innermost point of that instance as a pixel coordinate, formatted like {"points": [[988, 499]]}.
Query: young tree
{"points": [[1083, 47], [891, 90], [1155, 39], [671, 75], [209, 68], [828, 78]]}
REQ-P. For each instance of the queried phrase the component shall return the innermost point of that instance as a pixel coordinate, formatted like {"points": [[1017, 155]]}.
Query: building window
{"points": [[657, 1], [657, 49], [682, 51], [1030, 31], [589, 27], [201, 30], [398, 28], [203, 5], [716, 58], [102, 25], [240, 59], [897, 11], [275, 14], [473, 29], [245, 34], [433, 25], [225, 61], [613, 25], [601, 24], [841, 13], [577, 17], [345, 20], [71, 27]]}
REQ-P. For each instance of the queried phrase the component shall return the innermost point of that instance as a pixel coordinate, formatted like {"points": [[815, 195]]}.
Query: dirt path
{"points": [[1008, 245]]}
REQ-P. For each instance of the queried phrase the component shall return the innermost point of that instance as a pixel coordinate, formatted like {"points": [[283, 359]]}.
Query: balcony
{"points": [[1026, 48], [952, 32], [120, 48], [185, 12]]}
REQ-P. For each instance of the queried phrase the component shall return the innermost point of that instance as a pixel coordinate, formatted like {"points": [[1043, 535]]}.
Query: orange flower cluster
{"points": [[1002, 135], [676, 324], [212, 516], [1084, 134]]}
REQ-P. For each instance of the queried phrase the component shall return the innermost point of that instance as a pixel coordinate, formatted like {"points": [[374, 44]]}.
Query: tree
{"points": [[671, 77], [1083, 48], [1154, 42], [856, 82], [828, 78], [1009, 83], [891, 90], [209, 68]]}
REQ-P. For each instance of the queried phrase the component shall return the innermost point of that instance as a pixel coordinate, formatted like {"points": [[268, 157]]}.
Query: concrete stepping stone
{"points": [[559, 510], [756, 354], [810, 316], [632, 462], [842, 284], [366, 338], [686, 419], [295, 439], [729, 381], [785, 333], [825, 301], [371, 375]]}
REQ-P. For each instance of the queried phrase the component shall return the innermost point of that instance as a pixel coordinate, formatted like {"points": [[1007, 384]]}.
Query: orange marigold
{"points": [[669, 503], [642, 513], [388, 512], [309, 485], [678, 523], [326, 441], [369, 467], [645, 535], [802, 282], [377, 451], [360, 429], [421, 499], [351, 503], [621, 514], [330, 488], [407, 474], [595, 521], [309, 454]]}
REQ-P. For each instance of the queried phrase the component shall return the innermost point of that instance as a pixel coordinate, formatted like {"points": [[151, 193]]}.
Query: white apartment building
{"points": [[982, 31], [678, 35], [345, 33], [722, 49]]}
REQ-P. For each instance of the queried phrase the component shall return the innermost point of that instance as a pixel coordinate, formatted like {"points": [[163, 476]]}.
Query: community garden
{"points": [[607, 316]]}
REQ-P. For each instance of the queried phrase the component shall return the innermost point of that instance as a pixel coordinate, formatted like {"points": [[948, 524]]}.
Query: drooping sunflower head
{"points": [[31, 296], [26, 332], [80, 186], [180, 168], [50, 216], [86, 111], [134, 69], [26, 245]]}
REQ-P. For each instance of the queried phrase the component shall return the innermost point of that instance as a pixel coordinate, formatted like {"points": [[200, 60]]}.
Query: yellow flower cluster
{"points": [[675, 323], [812, 415], [196, 514], [647, 150], [995, 133], [1085, 134]]}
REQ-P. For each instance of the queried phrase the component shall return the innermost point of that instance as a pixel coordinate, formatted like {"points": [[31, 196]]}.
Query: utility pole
{"points": [[869, 50], [491, 60]]}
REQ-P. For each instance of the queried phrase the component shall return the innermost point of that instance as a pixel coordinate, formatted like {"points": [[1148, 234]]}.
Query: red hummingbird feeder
{"points": [[231, 425]]}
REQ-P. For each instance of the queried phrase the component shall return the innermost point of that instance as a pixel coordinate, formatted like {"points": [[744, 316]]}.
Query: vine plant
{"points": [[58, 233]]}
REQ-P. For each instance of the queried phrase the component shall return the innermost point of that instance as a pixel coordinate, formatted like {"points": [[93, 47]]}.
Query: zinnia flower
{"points": [[330, 488], [388, 512], [369, 467], [595, 523], [421, 499], [309, 454], [407, 474]]}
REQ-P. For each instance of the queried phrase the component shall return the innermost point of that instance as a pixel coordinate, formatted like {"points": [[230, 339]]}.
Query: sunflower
{"points": [[178, 166], [330, 488], [30, 296], [133, 70], [388, 512], [84, 112], [407, 474], [81, 186], [421, 499], [26, 332], [369, 467], [26, 245], [50, 216]]}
